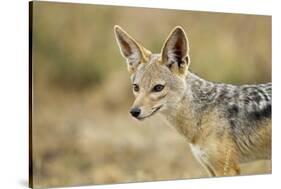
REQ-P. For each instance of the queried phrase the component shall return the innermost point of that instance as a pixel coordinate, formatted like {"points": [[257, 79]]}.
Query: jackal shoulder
{"points": [[238, 104]]}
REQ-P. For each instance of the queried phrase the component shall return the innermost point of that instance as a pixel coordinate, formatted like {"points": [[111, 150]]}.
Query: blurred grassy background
{"points": [[82, 131]]}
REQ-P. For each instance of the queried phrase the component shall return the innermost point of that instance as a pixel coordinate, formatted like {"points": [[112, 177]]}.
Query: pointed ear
{"points": [[175, 51], [132, 51]]}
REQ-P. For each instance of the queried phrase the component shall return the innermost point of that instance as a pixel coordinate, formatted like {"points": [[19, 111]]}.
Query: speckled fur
{"points": [[224, 124]]}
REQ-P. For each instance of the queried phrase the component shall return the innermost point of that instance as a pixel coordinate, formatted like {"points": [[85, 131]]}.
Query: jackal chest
{"points": [[199, 153]]}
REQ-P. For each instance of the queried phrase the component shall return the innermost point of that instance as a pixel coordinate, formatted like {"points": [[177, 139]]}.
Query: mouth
{"points": [[152, 113]]}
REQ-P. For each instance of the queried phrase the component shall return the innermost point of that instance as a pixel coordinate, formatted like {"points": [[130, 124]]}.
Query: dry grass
{"points": [[78, 143], [82, 131]]}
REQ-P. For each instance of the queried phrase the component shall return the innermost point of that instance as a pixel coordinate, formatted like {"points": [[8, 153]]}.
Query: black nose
{"points": [[135, 112]]}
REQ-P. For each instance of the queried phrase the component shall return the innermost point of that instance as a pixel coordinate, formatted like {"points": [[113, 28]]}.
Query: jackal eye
{"points": [[158, 88], [136, 88]]}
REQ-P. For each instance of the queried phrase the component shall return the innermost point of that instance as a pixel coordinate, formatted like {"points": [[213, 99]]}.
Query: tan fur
{"points": [[208, 132], [221, 156]]}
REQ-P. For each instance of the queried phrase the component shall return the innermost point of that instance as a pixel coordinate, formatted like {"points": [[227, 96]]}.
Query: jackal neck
{"points": [[186, 115]]}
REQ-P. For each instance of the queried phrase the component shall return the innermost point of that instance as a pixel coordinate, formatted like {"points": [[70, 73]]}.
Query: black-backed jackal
{"points": [[224, 124]]}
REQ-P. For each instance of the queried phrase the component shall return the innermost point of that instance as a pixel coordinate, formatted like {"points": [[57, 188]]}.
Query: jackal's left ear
{"points": [[175, 51], [130, 49]]}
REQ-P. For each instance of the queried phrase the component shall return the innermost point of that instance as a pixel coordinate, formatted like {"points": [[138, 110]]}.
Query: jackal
{"points": [[224, 124]]}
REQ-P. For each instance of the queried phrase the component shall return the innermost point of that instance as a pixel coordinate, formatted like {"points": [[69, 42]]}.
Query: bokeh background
{"points": [[81, 129]]}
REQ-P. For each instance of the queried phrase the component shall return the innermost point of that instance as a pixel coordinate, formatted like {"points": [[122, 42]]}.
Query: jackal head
{"points": [[158, 80]]}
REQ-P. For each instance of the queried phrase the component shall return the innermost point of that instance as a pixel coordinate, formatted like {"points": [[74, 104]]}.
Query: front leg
{"points": [[224, 162], [202, 158], [218, 160]]}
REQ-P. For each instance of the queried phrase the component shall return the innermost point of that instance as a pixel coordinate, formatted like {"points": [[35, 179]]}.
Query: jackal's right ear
{"points": [[131, 50]]}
